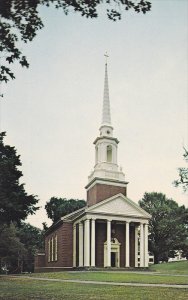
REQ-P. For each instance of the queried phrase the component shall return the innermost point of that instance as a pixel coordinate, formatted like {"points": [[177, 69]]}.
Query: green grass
{"points": [[180, 267], [173, 269], [115, 277], [27, 289], [20, 288]]}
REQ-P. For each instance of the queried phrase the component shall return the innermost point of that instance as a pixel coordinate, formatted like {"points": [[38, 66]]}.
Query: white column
{"points": [[136, 246], [146, 245], [93, 243], [127, 258], [108, 258], [81, 249], [74, 245], [141, 245], [87, 243]]}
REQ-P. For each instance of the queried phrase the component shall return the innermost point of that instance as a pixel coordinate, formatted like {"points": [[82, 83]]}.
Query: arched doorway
{"points": [[115, 253]]}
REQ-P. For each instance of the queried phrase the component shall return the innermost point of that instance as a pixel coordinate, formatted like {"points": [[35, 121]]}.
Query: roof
{"points": [[115, 207]]}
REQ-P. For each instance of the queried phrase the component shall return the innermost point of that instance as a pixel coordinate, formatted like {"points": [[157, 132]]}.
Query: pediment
{"points": [[119, 205]]}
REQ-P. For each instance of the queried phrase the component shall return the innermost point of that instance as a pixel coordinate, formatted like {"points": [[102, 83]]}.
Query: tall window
{"points": [[49, 252], [52, 249], [56, 247], [109, 153]]}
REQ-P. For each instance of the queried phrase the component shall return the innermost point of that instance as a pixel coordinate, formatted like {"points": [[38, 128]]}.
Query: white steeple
{"points": [[106, 166], [106, 127], [106, 117]]}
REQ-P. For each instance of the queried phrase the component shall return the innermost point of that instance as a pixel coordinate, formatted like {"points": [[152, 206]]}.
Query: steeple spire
{"points": [[106, 117], [106, 146]]}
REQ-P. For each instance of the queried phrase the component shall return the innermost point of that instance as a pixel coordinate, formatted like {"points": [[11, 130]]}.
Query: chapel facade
{"points": [[111, 230]]}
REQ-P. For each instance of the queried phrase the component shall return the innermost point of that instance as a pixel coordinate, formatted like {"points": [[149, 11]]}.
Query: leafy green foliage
{"points": [[20, 21], [33, 240], [11, 249], [18, 245], [15, 204], [59, 207], [183, 174], [168, 226], [185, 249], [18, 241]]}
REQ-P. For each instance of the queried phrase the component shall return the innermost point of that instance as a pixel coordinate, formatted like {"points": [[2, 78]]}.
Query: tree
{"points": [[11, 249], [59, 207], [20, 21], [33, 240], [15, 203], [168, 226], [18, 246], [183, 175]]}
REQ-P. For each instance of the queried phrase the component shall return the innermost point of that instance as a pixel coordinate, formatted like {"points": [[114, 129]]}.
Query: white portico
{"points": [[106, 234]]}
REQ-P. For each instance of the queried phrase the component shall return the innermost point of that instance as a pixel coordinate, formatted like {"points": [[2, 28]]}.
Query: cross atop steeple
{"points": [[106, 55]]}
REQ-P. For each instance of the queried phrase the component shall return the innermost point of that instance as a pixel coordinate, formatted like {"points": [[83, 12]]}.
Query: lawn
{"points": [[26, 289], [180, 267], [159, 275], [116, 277], [20, 288]]}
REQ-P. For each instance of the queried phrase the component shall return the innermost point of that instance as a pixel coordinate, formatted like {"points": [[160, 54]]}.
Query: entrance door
{"points": [[113, 259], [115, 254]]}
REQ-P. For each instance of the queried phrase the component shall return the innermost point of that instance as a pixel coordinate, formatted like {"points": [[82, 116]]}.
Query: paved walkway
{"points": [[177, 286], [136, 272]]}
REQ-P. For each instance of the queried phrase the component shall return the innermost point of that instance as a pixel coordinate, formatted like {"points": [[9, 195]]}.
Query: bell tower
{"points": [[107, 178]]}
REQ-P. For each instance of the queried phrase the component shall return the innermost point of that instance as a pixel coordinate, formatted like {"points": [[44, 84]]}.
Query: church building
{"points": [[111, 230]]}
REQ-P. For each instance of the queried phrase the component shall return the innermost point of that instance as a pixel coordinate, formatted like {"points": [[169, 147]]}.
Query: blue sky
{"points": [[52, 111]]}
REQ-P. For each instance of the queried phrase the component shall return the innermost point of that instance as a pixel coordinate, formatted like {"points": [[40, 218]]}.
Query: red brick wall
{"points": [[64, 246], [77, 245], [100, 233], [39, 260], [59, 242], [132, 246], [67, 245], [101, 192]]}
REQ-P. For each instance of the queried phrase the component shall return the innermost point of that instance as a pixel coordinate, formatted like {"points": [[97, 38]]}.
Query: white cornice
{"points": [[105, 181]]}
